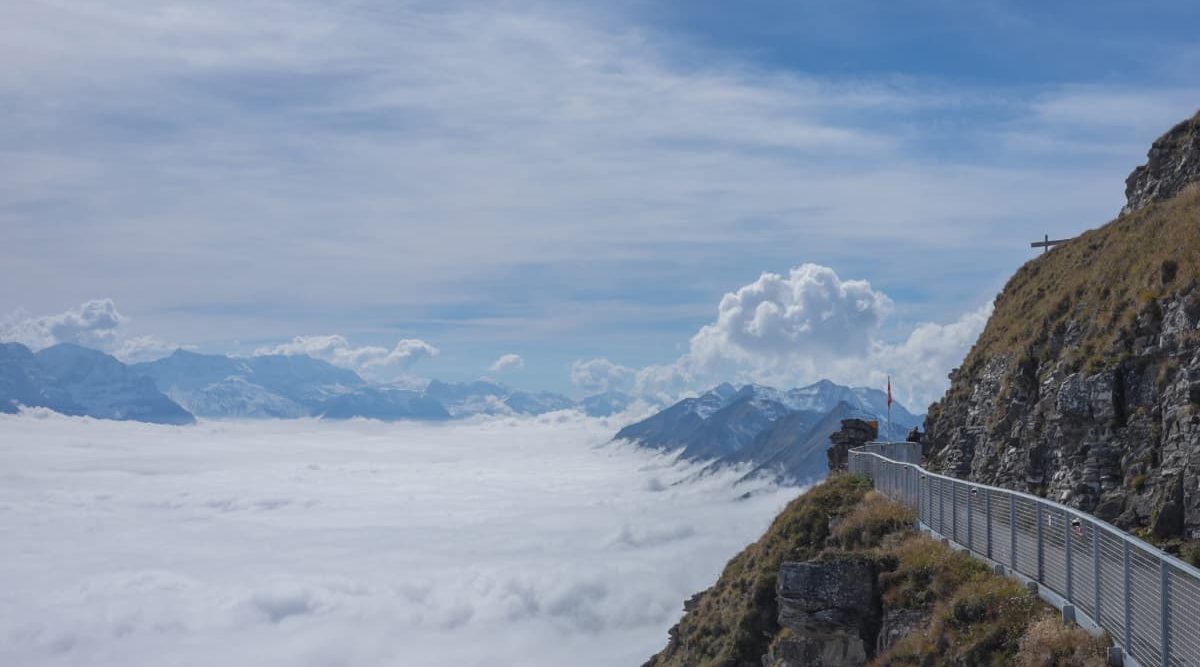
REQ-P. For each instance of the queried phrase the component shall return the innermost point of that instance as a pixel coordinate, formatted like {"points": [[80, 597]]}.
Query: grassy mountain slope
{"points": [[1085, 384], [967, 615]]}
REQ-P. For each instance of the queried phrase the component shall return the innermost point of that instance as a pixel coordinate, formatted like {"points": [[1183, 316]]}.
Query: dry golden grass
{"points": [[927, 572], [735, 620], [1099, 282], [1050, 643], [981, 623], [874, 518], [976, 617]]}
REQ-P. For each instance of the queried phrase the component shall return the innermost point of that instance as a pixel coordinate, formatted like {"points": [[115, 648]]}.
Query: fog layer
{"points": [[501, 542]]}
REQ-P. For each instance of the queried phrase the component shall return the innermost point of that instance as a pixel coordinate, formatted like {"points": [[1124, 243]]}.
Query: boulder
{"points": [[832, 609]]}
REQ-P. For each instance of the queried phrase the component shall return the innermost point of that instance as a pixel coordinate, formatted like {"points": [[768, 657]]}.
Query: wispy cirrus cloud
{"points": [[404, 167]]}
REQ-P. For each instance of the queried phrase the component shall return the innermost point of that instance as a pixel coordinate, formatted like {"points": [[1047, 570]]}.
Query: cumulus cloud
{"points": [[338, 351], [662, 383], [810, 312], [507, 362], [381, 558], [799, 327], [94, 323], [599, 375], [919, 365]]}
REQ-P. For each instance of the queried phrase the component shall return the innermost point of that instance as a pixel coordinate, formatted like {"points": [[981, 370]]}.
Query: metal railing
{"points": [[1147, 600], [905, 452]]}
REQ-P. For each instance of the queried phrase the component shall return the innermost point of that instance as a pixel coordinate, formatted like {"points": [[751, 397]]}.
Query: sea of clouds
{"points": [[493, 542]]}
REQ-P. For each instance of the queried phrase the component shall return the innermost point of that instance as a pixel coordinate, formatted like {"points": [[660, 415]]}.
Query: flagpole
{"points": [[889, 416]]}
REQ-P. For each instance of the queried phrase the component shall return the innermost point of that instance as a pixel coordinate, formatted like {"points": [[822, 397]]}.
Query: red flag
{"points": [[889, 391]]}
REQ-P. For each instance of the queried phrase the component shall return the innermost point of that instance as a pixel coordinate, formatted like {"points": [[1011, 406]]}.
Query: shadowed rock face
{"points": [[1173, 163], [832, 609], [854, 433]]}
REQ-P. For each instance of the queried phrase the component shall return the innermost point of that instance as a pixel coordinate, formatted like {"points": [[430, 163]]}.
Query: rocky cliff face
{"points": [[831, 610], [1085, 384], [1173, 164]]}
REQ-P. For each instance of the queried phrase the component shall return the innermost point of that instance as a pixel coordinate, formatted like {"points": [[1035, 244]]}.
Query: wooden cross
{"points": [[1046, 243]]}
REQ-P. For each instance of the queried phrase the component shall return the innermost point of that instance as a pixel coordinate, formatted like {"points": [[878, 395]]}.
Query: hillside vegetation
{"points": [[1084, 386], [953, 609]]}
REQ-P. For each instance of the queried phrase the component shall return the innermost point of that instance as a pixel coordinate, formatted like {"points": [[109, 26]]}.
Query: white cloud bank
{"points": [[368, 359], [505, 542], [801, 327], [95, 323], [507, 362]]}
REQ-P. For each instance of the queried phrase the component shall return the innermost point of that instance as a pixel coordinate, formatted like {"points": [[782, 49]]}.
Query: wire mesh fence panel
{"points": [[1145, 600], [923, 512], [943, 506], [1054, 557], [1001, 528], [1083, 566], [1026, 561], [1112, 585], [978, 521], [1148, 602], [960, 506], [1184, 618]]}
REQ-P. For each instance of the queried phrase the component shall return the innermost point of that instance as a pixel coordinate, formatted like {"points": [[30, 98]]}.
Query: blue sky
{"points": [[565, 181]]}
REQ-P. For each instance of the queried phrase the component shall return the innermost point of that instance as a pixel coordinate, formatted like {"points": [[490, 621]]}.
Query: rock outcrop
{"points": [[832, 610], [854, 433], [1085, 385], [1173, 163], [840, 579]]}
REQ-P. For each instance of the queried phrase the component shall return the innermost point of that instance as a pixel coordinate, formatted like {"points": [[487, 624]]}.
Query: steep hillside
{"points": [[840, 579], [1085, 384]]}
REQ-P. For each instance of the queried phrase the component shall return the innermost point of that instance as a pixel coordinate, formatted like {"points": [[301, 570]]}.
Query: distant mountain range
{"points": [[76, 380], [778, 433]]}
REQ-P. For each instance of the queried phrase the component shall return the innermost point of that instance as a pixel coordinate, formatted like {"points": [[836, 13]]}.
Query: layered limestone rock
{"points": [[1173, 163], [1085, 385], [831, 610]]}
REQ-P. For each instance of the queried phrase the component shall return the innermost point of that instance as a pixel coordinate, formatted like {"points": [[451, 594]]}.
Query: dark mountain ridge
{"points": [[779, 433]]}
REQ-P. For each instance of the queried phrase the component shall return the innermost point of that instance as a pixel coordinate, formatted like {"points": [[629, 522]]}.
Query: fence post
{"points": [[988, 510], [1164, 576], [1125, 566], [1070, 564], [1012, 528], [1096, 571], [1040, 542]]}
